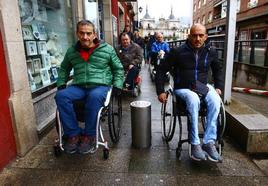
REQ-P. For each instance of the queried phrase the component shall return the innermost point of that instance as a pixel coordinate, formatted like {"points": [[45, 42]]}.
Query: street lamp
{"points": [[140, 9]]}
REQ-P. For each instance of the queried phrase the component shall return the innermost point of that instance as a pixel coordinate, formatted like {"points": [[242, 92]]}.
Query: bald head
{"points": [[198, 35], [198, 26], [159, 37]]}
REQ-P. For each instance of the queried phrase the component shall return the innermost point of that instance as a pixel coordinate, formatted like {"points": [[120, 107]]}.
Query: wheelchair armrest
{"points": [[108, 97]]}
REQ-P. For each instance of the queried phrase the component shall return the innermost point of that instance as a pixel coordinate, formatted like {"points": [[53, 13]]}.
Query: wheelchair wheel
{"points": [[221, 122], [178, 150], [115, 117], [221, 128], [136, 91], [57, 122], [57, 151], [168, 119], [105, 153], [152, 72]]}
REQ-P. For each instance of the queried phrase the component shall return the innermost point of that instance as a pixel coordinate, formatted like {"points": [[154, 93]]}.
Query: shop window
{"points": [[47, 31], [252, 3], [223, 9], [91, 13], [209, 17], [238, 6]]}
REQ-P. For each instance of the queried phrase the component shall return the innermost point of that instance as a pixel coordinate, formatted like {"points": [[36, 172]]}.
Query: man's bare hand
{"points": [[218, 91], [130, 67], [162, 97]]}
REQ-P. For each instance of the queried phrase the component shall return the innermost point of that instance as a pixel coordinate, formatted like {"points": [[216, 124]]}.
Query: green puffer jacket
{"points": [[102, 68]]}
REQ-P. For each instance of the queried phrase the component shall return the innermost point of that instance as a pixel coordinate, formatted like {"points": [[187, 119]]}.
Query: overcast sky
{"points": [[160, 8]]}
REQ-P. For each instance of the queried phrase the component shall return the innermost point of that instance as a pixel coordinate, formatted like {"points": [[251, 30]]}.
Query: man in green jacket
{"points": [[95, 68]]}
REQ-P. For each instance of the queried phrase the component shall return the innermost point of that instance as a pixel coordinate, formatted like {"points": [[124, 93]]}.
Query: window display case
{"points": [[47, 32]]}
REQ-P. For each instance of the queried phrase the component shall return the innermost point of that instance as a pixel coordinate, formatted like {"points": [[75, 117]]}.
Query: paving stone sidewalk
{"points": [[157, 165]]}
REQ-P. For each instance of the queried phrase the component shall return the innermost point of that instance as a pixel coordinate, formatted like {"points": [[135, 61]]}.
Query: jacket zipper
{"points": [[196, 64], [197, 60]]}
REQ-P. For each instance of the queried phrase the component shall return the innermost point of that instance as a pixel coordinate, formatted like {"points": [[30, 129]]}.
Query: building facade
{"points": [[252, 16], [170, 27], [34, 36]]}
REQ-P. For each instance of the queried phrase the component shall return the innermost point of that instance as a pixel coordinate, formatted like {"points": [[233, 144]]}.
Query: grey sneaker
{"points": [[87, 145], [197, 153], [71, 145], [212, 152]]}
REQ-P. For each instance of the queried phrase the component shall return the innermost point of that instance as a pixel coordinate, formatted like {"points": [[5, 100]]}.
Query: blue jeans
{"points": [[94, 100], [213, 102]]}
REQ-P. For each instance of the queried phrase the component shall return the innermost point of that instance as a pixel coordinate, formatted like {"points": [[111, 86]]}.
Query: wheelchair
{"points": [[136, 84], [111, 110], [153, 64], [174, 109]]}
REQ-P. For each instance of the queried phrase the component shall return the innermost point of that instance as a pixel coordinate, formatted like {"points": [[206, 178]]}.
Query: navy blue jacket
{"points": [[186, 65]]}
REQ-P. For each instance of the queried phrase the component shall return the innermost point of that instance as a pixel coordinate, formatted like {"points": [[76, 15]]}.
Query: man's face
{"points": [[197, 36], [86, 35], [125, 40], [159, 38]]}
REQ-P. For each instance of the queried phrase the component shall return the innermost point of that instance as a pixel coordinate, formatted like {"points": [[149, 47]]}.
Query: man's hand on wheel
{"points": [[130, 67], [162, 97], [218, 91]]}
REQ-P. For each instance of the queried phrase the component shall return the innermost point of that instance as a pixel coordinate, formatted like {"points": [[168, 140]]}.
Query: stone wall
{"points": [[20, 101], [250, 76], [44, 109]]}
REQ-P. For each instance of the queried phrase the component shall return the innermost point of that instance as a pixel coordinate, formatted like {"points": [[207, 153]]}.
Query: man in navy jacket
{"points": [[190, 64]]}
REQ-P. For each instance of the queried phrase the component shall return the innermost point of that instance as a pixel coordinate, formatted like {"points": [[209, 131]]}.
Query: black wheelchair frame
{"points": [[112, 110], [176, 108], [153, 64]]}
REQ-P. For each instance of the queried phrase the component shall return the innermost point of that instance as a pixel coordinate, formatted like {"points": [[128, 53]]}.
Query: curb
{"points": [[251, 91]]}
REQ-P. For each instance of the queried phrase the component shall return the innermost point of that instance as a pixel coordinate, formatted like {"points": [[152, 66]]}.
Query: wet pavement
{"points": [[157, 165]]}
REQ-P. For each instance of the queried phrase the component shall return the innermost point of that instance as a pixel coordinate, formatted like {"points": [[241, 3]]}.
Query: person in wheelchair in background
{"points": [[96, 68], [130, 55], [190, 65], [159, 50]]}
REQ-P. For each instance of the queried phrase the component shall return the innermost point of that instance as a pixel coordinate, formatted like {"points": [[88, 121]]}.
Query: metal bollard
{"points": [[141, 124]]}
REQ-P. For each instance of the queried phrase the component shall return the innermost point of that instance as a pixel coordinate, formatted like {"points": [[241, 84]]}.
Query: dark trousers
{"points": [[131, 74]]}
